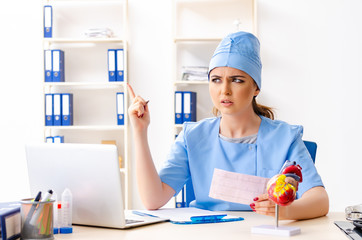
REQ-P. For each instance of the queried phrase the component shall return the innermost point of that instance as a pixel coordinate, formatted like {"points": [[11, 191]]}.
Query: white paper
{"points": [[181, 214], [236, 187]]}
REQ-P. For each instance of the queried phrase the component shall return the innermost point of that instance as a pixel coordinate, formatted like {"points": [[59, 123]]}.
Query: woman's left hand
{"points": [[263, 205]]}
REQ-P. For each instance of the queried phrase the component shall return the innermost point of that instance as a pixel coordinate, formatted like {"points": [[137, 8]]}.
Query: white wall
{"points": [[20, 92], [311, 55], [312, 59]]}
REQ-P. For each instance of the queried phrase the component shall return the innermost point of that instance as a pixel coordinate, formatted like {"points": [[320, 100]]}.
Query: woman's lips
{"points": [[226, 103]]}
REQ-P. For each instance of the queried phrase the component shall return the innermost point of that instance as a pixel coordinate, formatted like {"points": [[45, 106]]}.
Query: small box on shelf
{"points": [[113, 142]]}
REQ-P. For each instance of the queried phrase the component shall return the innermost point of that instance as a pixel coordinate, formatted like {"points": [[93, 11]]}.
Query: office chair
{"points": [[189, 190]]}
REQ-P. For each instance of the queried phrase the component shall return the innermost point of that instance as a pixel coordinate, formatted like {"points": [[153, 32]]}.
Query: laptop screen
{"points": [[90, 171]]}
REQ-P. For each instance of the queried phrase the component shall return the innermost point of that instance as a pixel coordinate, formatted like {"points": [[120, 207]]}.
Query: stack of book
{"points": [[99, 33], [194, 73]]}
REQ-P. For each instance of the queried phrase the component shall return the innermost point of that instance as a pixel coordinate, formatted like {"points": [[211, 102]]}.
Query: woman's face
{"points": [[232, 90]]}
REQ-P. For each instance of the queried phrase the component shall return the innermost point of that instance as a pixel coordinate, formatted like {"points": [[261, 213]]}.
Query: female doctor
{"points": [[242, 138]]}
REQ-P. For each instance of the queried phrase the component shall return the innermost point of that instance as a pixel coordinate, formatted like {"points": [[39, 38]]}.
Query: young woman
{"points": [[243, 138]]}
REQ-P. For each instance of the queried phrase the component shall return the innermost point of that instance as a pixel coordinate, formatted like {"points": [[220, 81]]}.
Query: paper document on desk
{"points": [[236, 187], [189, 215]]}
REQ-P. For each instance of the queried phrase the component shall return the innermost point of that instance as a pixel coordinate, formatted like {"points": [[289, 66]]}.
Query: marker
{"points": [[46, 198], [207, 218]]}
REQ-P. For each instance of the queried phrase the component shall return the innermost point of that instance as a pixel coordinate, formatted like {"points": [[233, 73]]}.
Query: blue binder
{"points": [[58, 65], [49, 139], [48, 66], [58, 139], [57, 109], [48, 21], [67, 109], [120, 65], [189, 107], [48, 109], [10, 224], [120, 108], [178, 107], [112, 65]]}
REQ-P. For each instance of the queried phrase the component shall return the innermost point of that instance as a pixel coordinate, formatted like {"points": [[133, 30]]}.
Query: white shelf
{"points": [[85, 63], [83, 40], [196, 39], [191, 82], [86, 84], [205, 1], [94, 127], [82, 1]]}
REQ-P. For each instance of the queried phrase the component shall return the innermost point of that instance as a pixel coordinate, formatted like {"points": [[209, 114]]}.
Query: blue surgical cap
{"points": [[240, 50]]}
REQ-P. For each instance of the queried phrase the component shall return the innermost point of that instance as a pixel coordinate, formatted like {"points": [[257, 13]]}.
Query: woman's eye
{"points": [[238, 80], [215, 80]]}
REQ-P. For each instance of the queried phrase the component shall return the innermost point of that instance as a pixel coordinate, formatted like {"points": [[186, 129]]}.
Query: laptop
{"points": [[91, 172]]}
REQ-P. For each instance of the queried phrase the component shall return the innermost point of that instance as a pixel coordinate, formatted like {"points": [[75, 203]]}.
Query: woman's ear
{"points": [[257, 91]]}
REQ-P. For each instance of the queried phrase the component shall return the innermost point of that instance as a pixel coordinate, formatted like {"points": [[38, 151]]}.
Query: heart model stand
{"points": [[282, 189]]}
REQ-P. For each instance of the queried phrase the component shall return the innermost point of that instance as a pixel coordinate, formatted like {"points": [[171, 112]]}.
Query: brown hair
{"points": [[258, 109]]}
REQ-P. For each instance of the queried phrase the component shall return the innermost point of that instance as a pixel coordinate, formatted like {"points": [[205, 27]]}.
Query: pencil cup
{"points": [[36, 219]]}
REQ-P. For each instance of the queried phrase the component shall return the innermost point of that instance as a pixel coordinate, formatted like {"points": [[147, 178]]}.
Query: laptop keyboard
{"points": [[131, 221]]}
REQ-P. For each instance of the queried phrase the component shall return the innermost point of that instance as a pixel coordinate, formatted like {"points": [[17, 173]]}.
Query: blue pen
{"points": [[207, 218], [27, 228], [33, 207]]}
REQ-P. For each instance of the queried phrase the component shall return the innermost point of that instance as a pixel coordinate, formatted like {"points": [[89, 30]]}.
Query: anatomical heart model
{"points": [[282, 190]]}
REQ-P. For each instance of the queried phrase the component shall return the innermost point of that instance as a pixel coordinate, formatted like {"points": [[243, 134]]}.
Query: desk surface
{"points": [[319, 228]]}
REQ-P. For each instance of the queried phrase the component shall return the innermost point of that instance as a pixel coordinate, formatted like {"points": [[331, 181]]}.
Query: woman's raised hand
{"points": [[138, 111]]}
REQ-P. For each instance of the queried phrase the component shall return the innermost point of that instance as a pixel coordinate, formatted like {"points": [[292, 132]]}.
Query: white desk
{"points": [[319, 228]]}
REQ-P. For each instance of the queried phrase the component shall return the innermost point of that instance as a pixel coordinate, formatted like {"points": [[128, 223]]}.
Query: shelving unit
{"points": [[199, 26], [86, 74]]}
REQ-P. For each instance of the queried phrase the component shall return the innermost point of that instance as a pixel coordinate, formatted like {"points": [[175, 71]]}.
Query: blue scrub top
{"points": [[198, 150]]}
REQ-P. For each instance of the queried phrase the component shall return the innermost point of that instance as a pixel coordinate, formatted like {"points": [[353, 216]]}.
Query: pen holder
{"points": [[36, 219]]}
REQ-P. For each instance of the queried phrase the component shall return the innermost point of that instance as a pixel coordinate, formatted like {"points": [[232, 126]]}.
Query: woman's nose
{"points": [[226, 90]]}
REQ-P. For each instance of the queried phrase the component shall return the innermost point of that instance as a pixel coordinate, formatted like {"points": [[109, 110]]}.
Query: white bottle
{"points": [[66, 212]]}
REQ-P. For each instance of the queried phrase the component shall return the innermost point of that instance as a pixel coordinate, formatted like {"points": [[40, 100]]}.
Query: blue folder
{"points": [[120, 65], [57, 109], [67, 109], [48, 66], [48, 21], [58, 65], [178, 107], [58, 139], [49, 139], [112, 63], [48, 109], [120, 108], [189, 107]]}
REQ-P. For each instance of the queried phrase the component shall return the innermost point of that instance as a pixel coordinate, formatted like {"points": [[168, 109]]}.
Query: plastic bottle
{"points": [[55, 213], [66, 212]]}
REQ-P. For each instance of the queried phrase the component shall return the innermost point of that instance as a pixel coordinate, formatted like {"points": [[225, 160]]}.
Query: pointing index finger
{"points": [[131, 91]]}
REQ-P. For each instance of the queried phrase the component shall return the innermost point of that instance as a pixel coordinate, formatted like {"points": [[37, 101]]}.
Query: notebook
{"points": [[91, 172]]}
